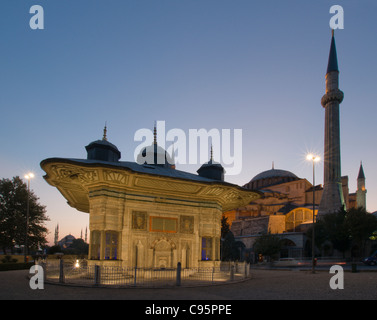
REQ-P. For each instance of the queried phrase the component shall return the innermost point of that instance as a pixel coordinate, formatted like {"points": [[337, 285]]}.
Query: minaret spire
{"points": [[361, 192], [333, 59]]}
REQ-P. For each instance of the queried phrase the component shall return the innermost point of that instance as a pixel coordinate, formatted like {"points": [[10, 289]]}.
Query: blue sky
{"points": [[258, 66]]}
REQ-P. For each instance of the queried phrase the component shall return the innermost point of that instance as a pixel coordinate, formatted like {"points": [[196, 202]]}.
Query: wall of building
{"points": [[153, 232]]}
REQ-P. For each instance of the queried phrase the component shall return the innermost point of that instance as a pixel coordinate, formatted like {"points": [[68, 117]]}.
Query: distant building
{"points": [[358, 199], [66, 241], [285, 208]]}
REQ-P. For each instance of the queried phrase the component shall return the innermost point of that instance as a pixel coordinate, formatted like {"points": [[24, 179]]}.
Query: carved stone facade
{"points": [[152, 231]]}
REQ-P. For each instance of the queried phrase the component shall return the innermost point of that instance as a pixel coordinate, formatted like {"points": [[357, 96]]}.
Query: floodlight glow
{"points": [[30, 175]]}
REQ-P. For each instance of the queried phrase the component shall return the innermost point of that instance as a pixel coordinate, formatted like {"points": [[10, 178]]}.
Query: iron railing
{"points": [[78, 272]]}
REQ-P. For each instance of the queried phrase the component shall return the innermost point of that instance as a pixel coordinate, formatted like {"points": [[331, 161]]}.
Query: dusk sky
{"points": [[258, 66]]}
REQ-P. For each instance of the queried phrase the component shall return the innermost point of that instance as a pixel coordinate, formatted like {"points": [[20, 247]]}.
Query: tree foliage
{"points": [[333, 227], [231, 250], [268, 245], [345, 229], [360, 225], [13, 213]]}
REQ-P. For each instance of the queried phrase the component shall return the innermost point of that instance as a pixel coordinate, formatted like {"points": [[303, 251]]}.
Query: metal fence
{"points": [[80, 273]]}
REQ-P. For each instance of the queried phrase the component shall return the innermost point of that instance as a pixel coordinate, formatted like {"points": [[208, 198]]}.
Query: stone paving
{"points": [[263, 285]]}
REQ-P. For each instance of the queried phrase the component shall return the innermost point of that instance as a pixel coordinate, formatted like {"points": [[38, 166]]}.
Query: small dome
{"points": [[270, 178], [156, 156], [102, 150], [212, 169]]}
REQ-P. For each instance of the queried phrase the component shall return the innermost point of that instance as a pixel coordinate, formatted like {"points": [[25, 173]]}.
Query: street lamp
{"points": [[28, 177], [314, 159]]}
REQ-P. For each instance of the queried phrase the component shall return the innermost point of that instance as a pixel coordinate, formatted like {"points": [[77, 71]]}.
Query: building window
{"points": [[161, 224], [206, 248], [95, 245], [111, 245]]}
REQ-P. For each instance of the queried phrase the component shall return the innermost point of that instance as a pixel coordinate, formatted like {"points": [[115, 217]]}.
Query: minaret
{"points": [[332, 197], [361, 192], [56, 236]]}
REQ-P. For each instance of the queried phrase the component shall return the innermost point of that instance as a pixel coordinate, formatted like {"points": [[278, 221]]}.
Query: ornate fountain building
{"points": [[147, 215]]}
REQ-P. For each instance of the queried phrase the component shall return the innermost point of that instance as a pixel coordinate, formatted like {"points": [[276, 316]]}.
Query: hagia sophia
{"points": [[286, 208]]}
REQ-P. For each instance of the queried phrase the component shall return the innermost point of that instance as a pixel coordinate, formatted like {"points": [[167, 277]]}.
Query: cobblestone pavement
{"points": [[264, 284]]}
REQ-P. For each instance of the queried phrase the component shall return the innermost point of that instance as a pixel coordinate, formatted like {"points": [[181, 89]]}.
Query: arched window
{"points": [[298, 217]]}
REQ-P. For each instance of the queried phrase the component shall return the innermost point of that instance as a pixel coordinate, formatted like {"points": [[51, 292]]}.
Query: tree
{"points": [[225, 227], [345, 228], [231, 249], [268, 245], [332, 227], [360, 226], [13, 202]]}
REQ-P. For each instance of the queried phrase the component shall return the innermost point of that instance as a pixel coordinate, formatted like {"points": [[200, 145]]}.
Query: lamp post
{"points": [[28, 177], [314, 159]]}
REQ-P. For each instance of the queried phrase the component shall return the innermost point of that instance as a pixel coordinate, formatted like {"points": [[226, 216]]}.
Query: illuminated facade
{"points": [[285, 208], [147, 215]]}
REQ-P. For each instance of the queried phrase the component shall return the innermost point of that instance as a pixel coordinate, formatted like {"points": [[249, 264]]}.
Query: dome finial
{"points": [[273, 165], [155, 134], [105, 132], [211, 159]]}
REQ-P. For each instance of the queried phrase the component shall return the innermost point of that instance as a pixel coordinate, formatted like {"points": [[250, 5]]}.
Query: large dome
{"points": [[270, 178]]}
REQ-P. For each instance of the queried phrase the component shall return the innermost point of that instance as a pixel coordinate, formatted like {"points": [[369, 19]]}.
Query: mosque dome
{"points": [[102, 150], [270, 178]]}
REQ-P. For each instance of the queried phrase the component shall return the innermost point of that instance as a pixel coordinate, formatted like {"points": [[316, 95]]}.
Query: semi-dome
{"points": [[270, 178]]}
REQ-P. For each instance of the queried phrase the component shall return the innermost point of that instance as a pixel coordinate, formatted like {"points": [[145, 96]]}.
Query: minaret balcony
{"points": [[332, 96]]}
